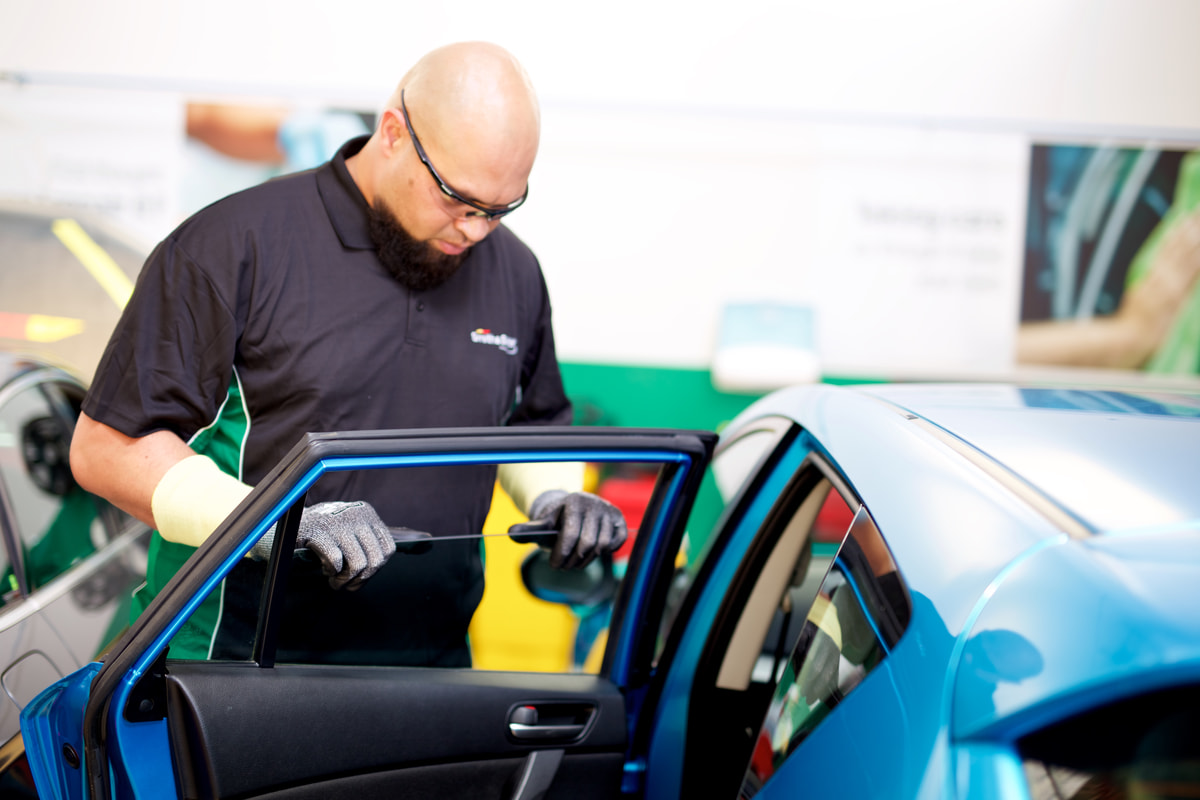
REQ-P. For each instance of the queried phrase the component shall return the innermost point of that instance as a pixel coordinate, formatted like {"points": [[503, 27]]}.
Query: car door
{"points": [[273, 724]]}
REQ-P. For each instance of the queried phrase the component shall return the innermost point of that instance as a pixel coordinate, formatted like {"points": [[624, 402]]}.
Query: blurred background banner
{"points": [[111, 153], [919, 242], [1112, 257]]}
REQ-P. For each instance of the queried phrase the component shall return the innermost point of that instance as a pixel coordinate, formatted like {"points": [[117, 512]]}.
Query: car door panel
{"points": [[451, 782], [493, 778], [146, 725], [244, 731]]}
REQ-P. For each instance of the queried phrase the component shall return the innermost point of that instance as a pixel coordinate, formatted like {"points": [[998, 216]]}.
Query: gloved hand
{"points": [[350, 539], [587, 526]]}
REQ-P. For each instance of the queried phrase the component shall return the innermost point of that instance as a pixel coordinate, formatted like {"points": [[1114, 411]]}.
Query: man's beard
{"points": [[415, 264]]}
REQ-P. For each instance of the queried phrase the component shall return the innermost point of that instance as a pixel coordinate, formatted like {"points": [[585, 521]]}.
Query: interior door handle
{"points": [[541, 732], [549, 722]]}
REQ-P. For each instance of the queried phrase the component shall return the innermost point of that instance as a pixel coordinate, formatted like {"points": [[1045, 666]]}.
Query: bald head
{"points": [[473, 111], [472, 102]]}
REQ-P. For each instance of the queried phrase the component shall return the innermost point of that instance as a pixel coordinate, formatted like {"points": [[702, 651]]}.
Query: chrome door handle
{"points": [[522, 731], [552, 721]]}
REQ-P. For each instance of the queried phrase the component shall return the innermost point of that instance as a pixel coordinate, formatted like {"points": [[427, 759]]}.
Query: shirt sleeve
{"points": [[169, 361]]}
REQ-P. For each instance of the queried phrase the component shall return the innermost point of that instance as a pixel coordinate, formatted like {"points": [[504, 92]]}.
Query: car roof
{"points": [[1119, 460]]}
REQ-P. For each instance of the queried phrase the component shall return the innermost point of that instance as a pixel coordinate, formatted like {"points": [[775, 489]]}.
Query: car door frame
{"points": [[130, 677], [746, 535]]}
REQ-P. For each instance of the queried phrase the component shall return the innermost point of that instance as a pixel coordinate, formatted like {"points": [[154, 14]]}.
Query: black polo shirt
{"points": [[268, 315]]}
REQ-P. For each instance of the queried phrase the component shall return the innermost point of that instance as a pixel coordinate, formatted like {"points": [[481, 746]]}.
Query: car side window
{"points": [[56, 521], [856, 617], [457, 599], [774, 613], [790, 531]]}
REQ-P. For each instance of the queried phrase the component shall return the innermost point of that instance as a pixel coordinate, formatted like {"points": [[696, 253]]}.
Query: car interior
{"points": [[1145, 747]]}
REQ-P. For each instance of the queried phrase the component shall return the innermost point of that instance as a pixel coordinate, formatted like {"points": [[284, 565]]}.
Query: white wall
{"points": [[699, 152], [1096, 62]]}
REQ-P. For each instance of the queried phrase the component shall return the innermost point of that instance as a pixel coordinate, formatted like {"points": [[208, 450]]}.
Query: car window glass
{"points": [[773, 614], [56, 520], [855, 619], [458, 599], [738, 459], [793, 531]]}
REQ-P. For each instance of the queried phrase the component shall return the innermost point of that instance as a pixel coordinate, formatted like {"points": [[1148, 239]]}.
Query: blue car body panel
{"points": [[1079, 622], [1006, 605], [51, 724]]}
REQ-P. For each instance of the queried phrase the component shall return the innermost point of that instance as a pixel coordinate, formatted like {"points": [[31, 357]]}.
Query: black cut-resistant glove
{"points": [[350, 540], [587, 526]]}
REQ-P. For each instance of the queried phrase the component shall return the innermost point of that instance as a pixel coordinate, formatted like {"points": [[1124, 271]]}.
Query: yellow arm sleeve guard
{"points": [[193, 498]]}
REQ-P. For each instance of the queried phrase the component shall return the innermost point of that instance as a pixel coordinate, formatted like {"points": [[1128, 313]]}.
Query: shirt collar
{"points": [[344, 201]]}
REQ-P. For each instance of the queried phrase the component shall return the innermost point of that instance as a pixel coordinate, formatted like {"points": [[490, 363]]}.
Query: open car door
{"points": [[288, 721]]}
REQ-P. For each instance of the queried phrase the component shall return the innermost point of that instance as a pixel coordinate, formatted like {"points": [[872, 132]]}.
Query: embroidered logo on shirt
{"points": [[506, 343]]}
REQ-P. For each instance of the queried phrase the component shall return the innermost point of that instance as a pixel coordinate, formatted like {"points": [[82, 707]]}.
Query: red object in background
{"points": [[14, 326], [762, 760], [833, 520], [631, 494]]}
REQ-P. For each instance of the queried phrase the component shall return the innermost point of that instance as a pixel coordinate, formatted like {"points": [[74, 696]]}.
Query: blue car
{"points": [[979, 591]]}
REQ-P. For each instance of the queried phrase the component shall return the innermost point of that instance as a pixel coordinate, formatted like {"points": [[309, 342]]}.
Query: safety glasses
{"points": [[487, 212]]}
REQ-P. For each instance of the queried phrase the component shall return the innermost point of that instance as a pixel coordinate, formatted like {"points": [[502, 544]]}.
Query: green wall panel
{"points": [[649, 397]]}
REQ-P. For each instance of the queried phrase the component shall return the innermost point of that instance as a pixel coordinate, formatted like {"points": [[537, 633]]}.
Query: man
{"points": [[376, 291]]}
